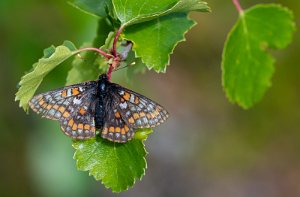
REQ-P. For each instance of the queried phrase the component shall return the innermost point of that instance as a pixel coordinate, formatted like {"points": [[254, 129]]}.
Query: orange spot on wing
{"points": [[126, 128], [62, 109], [136, 116], [41, 102], [111, 129], [142, 114], [71, 122], [55, 107], [74, 127], [126, 96], [75, 91], [64, 93], [87, 127], [49, 106], [66, 114], [158, 108], [153, 114], [44, 105], [123, 131], [136, 100], [93, 129], [117, 115], [131, 120], [82, 111], [80, 126], [118, 129], [105, 131]]}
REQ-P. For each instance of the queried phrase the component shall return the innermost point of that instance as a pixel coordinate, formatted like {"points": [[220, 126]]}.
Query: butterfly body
{"points": [[116, 112], [102, 92]]}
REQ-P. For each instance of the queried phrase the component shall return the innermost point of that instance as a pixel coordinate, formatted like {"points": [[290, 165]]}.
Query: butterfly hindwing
{"points": [[137, 110], [115, 128], [80, 124], [72, 106]]}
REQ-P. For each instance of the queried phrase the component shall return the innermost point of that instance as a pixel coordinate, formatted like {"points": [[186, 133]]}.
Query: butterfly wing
{"points": [[137, 110], [72, 105], [115, 128]]}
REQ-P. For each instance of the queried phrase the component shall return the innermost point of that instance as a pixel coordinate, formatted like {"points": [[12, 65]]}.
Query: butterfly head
{"points": [[103, 78], [102, 84]]}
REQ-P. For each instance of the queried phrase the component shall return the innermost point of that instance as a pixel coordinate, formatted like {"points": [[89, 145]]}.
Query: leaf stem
{"points": [[116, 60], [114, 55], [109, 72], [118, 33], [238, 6], [108, 56]]}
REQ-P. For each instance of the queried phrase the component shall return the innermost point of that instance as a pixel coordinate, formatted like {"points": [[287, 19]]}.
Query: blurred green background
{"points": [[208, 147]]}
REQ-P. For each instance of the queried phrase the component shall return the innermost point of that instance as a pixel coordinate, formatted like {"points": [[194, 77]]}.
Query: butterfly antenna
{"points": [[120, 68]]}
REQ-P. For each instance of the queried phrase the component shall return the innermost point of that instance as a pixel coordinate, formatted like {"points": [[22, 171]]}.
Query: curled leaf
{"points": [[53, 56]]}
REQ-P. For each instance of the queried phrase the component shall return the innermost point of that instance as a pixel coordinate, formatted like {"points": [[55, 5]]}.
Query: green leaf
{"points": [[142, 134], [131, 12], [155, 40], [94, 7], [53, 56], [86, 67], [247, 66], [116, 165]]}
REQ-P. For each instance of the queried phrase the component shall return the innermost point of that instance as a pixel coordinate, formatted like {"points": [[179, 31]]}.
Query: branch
{"points": [[237, 5], [114, 49], [108, 56]]}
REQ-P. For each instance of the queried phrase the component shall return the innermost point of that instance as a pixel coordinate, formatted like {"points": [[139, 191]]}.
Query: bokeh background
{"points": [[207, 148]]}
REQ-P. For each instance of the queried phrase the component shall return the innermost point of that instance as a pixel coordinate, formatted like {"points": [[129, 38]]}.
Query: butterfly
{"points": [[116, 112]]}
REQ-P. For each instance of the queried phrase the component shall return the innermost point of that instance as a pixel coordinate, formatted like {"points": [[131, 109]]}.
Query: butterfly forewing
{"points": [[137, 110], [72, 105]]}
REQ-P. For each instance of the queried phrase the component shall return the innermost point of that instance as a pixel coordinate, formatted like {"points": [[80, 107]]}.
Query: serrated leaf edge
{"points": [[149, 17], [194, 23]]}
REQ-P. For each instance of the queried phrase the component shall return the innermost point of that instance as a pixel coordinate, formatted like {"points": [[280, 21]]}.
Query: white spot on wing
{"points": [[145, 120], [141, 105], [132, 98], [150, 106], [123, 105], [57, 115], [51, 112], [117, 135], [69, 93], [76, 101], [47, 97]]}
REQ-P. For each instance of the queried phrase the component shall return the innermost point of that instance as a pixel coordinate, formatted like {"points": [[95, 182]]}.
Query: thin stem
{"points": [[237, 5], [108, 56], [118, 33], [109, 72]]}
